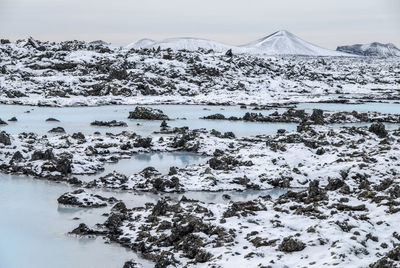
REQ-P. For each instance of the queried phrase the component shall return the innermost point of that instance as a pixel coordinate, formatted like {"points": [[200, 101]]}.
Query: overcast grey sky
{"points": [[327, 23]]}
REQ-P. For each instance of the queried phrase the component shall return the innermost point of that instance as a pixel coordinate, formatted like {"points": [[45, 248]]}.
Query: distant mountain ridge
{"points": [[374, 49], [187, 43], [279, 43]]}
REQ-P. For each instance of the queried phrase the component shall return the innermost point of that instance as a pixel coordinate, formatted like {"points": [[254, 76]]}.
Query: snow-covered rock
{"points": [[81, 198]]}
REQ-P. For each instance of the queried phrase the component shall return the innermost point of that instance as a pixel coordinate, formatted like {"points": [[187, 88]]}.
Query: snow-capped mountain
{"points": [[142, 43], [286, 43], [186, 43], [278, 43], [374, 49]]}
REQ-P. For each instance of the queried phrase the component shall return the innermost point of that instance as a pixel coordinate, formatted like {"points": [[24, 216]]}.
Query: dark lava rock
{"points": [[118, 71], [5, 138], [172, 171], [109, 180], [320, 151], [120, 207], [52, 120], [3, 122], [228, 135], [390, 260], [218, 152], [164, 259], [74, 181], [160, 208], [215, 117], [164, 124], [383, 263], [226, 163], [149, 172], [39, 155], [290, 245], [147, 113], [63, 165], [343, 207], [314, 192], [57, 130], [334, 184], [160, 184], [130, 264], [394, 254], [74, 199], [243, 208], [13, 119], [226, 196], [378, 129], [229, 53], [113, 223], [17, 157], [83, 230], [78, 136], [143, 142], [112, 123], [317, 116]]}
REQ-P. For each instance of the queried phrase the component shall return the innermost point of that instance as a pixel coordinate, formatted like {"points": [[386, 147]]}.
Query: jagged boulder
{"points": [[5, 138], [83, 230], [317, 117], [290, 244], [81, 198], [147, 113], [57, 130], [378, 129]]}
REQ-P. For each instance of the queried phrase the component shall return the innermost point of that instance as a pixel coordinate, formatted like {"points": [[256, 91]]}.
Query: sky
{"points": [[327, 23]]}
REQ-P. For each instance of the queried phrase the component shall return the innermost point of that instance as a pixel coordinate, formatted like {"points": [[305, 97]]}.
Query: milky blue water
{"points": [[33, 229], [74, 119]]}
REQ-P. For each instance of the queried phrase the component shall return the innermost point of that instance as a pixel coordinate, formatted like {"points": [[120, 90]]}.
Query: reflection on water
{"points": [[33, 229], [160, 161]]}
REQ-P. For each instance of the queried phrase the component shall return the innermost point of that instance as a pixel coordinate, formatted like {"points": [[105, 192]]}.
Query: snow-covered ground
{"points": [[79, 73]]}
